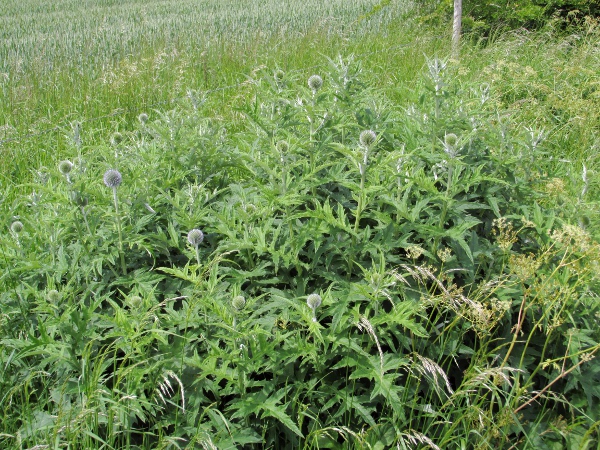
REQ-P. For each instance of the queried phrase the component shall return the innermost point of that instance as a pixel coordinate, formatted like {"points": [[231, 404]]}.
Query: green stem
{"points": [[118, 220], [197, 254], [436, 241]]}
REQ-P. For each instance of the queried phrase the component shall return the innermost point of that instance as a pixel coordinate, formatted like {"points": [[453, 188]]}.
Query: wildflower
{"points": [[315, 82], [112, 178], [367, 138], [16, 227], [282, 146], [53, 296], [238, 302], [116, 138], [313, 301], [135, 301], [195, 237], [450, 140], [278, 75], [143, 118], [65, 167]]}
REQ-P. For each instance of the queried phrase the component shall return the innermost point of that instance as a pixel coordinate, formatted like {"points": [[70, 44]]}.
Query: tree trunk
{"points": [[456, 26]]}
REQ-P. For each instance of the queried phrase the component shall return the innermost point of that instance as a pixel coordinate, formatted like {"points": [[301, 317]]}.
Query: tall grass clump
{"points": [[367, 276]]}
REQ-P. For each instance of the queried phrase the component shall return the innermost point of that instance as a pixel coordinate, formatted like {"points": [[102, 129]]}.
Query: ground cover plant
{"points": [[340, 265]]}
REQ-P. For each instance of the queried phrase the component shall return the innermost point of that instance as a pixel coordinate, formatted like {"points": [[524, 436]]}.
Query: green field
{"points": [[292, 224]]}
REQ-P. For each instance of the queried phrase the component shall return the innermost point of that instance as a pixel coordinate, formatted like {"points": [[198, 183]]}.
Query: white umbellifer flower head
{"points": [[16, 227], [112, 178], [367, 138], [65, 167], [315, 82], [238, 302], [313, 301], [195, 237]]}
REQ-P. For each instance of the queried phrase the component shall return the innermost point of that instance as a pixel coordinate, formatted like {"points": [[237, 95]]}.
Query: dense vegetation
{"points": [[378, 248], [484, 17]]}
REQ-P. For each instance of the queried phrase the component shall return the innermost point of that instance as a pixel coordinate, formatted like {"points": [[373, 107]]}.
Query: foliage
{"points": [[482, 16], [457, 304]]}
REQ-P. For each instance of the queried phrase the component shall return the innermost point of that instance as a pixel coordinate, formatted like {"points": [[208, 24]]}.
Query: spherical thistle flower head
{"points": [[313, 301], [315, 82], [450, 140], [238, 302], [53, 296], [143, 118], [195, 237], [282, 146], [65, 167], [116, 138], [135, 301], [367, 138], [112, 178], [16, 227]]}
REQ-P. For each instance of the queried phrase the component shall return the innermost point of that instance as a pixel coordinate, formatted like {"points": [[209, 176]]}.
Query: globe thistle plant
{"points": [[53, 296], [116, 138], [278, 76], [315, 82], [195, 238], [76, 126], [16, 227], [112, 179], [65, 167], [450, 144], [367, 138], [238, 302], [313, 301]]}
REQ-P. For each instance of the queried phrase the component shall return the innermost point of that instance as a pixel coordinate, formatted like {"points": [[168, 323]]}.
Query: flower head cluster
{"points": [[16, 227], [367, 138], [315, 82], [238, 302], [112, 178], [313, 301], [65, 167], [195, 237]]}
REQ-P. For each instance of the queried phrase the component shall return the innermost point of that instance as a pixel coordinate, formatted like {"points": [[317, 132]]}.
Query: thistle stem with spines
{"points": [[118, 221]]}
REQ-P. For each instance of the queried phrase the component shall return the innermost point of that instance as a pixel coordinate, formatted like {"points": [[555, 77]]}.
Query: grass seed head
{"points": [[112, 178]]}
